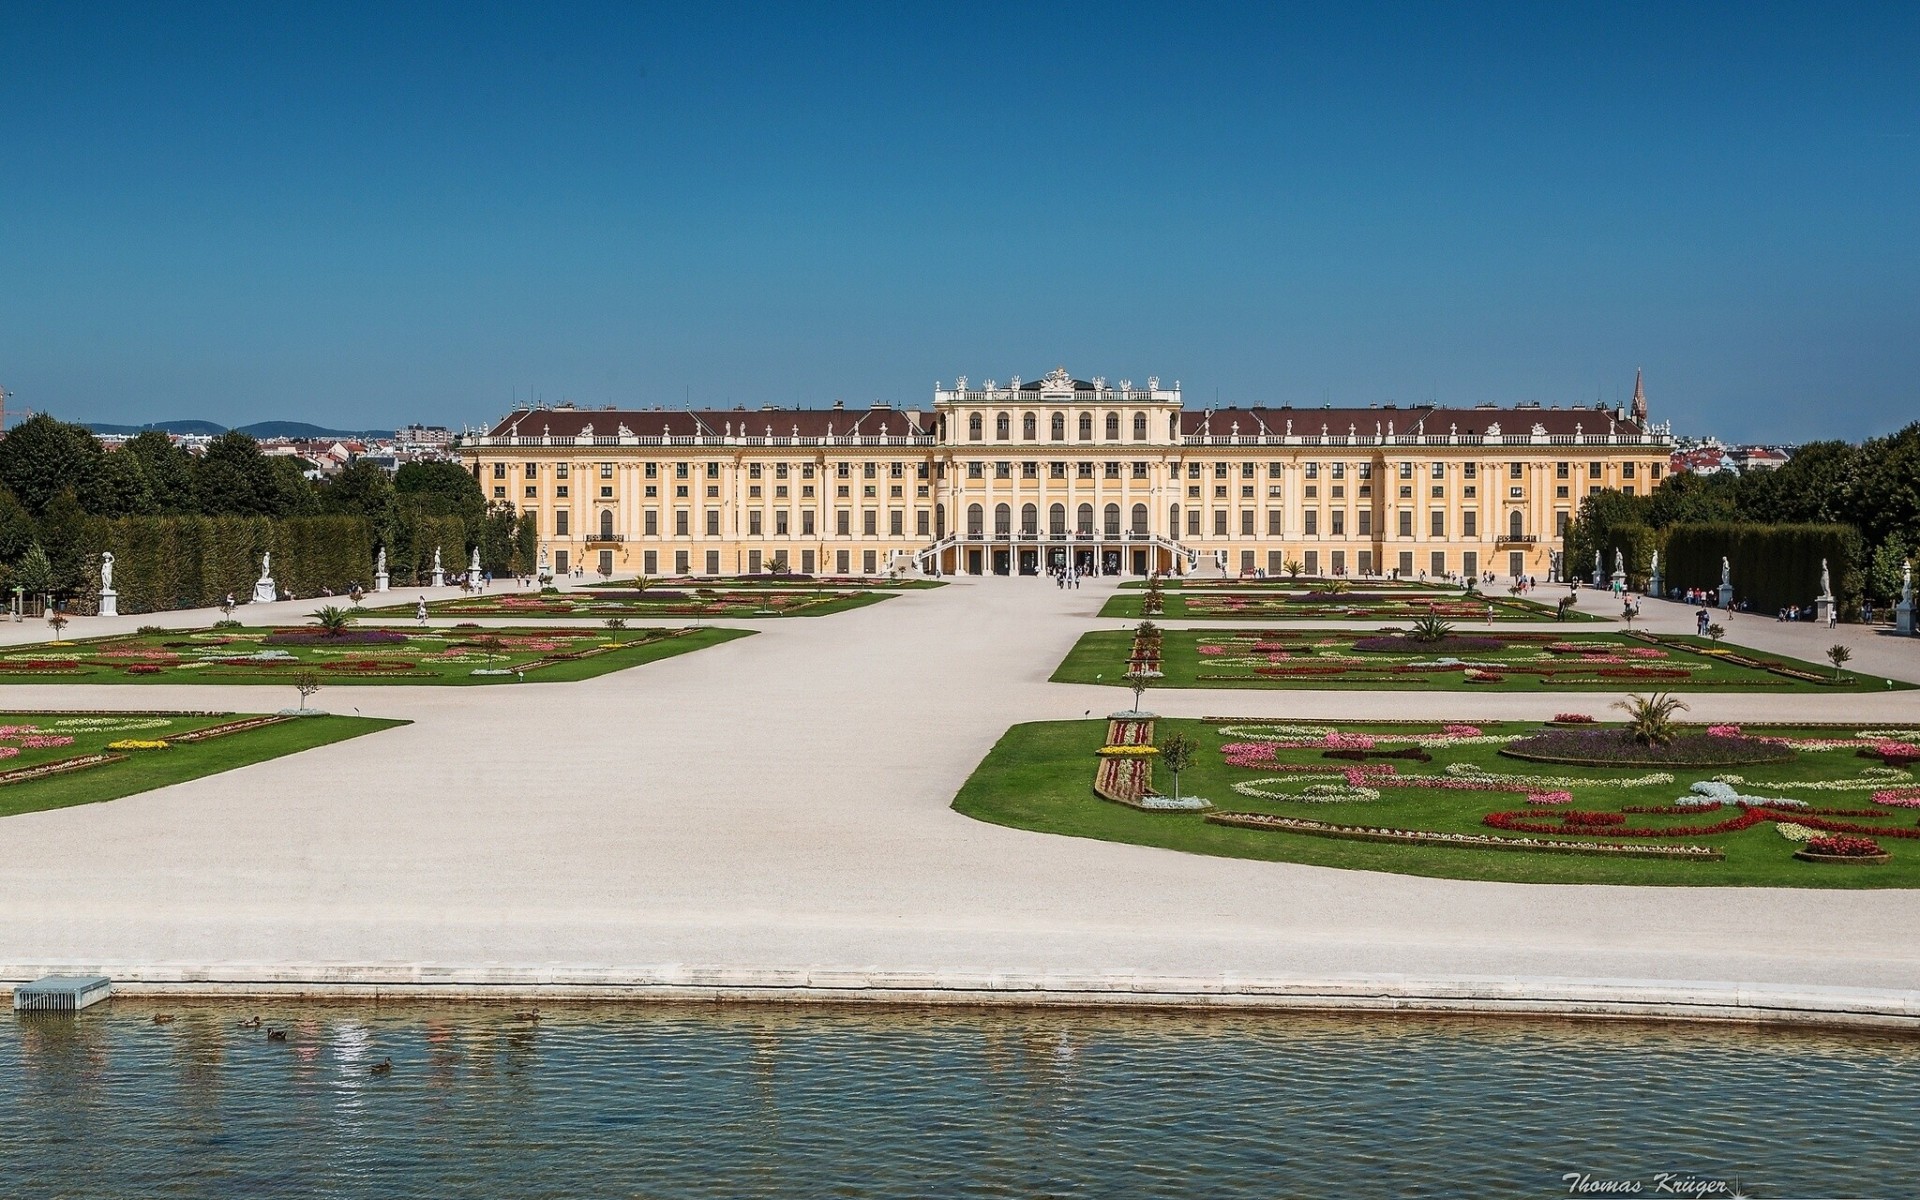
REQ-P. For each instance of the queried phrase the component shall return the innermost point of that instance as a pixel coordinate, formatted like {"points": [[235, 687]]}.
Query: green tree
{"points": [[1885, 573], [124, 489], [34, 574], [234, 479], [1178, 751], [41, 456], [359, 489], [168, 470], [1839, 655], [17, 530]]}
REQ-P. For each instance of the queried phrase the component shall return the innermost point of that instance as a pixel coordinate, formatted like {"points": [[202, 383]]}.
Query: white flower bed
{"points": [[111, 724]]}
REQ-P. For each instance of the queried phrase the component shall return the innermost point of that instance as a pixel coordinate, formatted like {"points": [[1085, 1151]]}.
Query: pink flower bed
{"points": [[45, 741], [1461, 731], [1549, 797], [1348, 741], [1723, 731], [1904, 797]]}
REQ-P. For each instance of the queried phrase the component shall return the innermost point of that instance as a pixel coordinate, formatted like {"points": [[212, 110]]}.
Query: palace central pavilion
{"points": [[1065, 473]]}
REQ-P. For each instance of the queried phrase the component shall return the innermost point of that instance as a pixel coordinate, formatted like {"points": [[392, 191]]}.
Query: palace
{"points": [[1063, 472]]}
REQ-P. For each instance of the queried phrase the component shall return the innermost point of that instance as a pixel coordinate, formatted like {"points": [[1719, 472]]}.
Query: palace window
{"points": [[806, 523], [1593, 470], [1439, 470], [1311, 470], [843, 470], [1406, 470], [1469, 524], [894, 519], [1273, 470], [976, 470], [1002, 427], [1220, 522], [560, 471], [1339, 470], [1139, 427], [533, 470], [1112, 470], [1056, 470], [1274, 517], [1626, 470], [1057, 427], [869, 470], [1086, 430], [1516, 470], [1366, 522], [650, 523], [1406, 524], [713, 522], [1439, 520], [1113, 427], [973, 427], [1561, 470], [1312, 517], [1003, 470], [1338, 519], [561, 491], [606, 470], [1140, 470], [1084, 470], [1029, 427], [1029, 470], [499, 470], [753, 523], [680, 470], [870, 523]]}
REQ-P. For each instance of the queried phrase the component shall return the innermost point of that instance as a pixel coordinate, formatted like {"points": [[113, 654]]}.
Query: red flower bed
{"points": [[1845, 847], [1594, 819], [143, 669], [1532, 822]]}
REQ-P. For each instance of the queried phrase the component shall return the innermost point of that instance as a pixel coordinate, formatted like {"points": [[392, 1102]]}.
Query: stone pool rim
{"points": [[1723, 1002]]}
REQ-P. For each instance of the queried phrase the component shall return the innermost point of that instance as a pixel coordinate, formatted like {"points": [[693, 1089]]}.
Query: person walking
{"points": [[420, 611]]}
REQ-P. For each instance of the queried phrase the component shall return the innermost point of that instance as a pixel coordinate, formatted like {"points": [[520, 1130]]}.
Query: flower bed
{"points": [[1847, 850], [318, 637], [61, 767], [1616, 748], [1424, 837]]}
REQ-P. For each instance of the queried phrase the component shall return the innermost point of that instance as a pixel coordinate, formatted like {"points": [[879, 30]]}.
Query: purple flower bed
{"points": [[1616, 747], [1446, 645], [649, 594], [352, 637]]}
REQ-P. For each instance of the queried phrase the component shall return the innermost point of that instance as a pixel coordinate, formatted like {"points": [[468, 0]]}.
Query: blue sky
{"points": [[369, 214]]}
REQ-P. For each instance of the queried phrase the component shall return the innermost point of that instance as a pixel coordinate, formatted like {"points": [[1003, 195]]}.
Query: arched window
{"points": [[1113, 427], [606, 524], [1057, 519], [1173, 520], [1029, 427], [1002, 427], [1059, 425], [976, 520], [1112, 515], [1029, 518], [1086, 427], [1002, 521], [1139, 518], [973, 427], [1083, 519], [1139, 427], [1513, 524], [939, 521]]}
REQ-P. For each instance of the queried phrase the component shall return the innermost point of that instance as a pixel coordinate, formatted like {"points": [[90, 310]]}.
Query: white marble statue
{"points": [[1906, 583], [473, 564], [1597, 568], [264, 591], [1826, 584], [436, 559], [1726, 572], [1619, 562], [380, 561], [1654, 569], [106, 570], [266, 564]]}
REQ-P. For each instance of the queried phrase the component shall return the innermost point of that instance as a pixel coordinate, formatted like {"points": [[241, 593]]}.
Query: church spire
{"points": [[1639, 399]]}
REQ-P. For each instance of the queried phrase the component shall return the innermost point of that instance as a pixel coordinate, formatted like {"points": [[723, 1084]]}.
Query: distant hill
{"points": [[259, 429]]}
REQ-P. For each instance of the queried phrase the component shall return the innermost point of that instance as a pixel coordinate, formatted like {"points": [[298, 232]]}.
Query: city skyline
{"points": [[369, 217]]}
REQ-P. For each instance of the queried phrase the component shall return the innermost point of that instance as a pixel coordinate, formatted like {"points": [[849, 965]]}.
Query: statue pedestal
{"points": [[380, 582], [264, 592], [1823, 609], [1655, 588], [109, 603], [1620, 582], [439, 577], [1903, 618], [1726, 595]]}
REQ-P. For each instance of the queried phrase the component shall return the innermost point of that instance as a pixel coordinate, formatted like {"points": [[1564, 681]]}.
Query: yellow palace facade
{"points": [[1104, 478]]}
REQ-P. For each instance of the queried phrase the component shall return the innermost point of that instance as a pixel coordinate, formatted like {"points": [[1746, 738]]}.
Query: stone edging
{"points": [[1634, 999]]}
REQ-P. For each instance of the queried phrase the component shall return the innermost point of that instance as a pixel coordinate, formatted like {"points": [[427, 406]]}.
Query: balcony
{"points": [[603, 539], [1515, 539]]}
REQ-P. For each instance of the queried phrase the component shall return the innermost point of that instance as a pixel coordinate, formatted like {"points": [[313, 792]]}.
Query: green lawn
{"points": [[1522, 662], [142, 770], [1363, 603], [433, 655], [1039, 777], [590, 604]]}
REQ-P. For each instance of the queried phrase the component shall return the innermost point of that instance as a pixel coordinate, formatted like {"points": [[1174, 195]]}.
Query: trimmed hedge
{"points": [[1772, 565], [163, 563]]}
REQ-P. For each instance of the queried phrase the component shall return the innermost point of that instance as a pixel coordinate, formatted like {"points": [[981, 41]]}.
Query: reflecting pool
{"points": [[645, 1101]]}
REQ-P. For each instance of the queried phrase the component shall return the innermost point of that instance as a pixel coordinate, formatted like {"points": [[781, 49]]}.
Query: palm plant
{"points": [[1430, 629], [1650, 719], [1294, 568], [333, 620], [1715, 633], [1839, 656]]}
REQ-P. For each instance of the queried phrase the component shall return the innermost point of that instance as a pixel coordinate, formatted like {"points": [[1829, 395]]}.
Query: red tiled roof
{"points": [[1423, 418], [782, 422]]}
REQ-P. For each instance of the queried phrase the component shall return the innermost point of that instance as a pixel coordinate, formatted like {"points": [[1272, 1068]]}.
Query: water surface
{"points": [[669, 1102]]}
